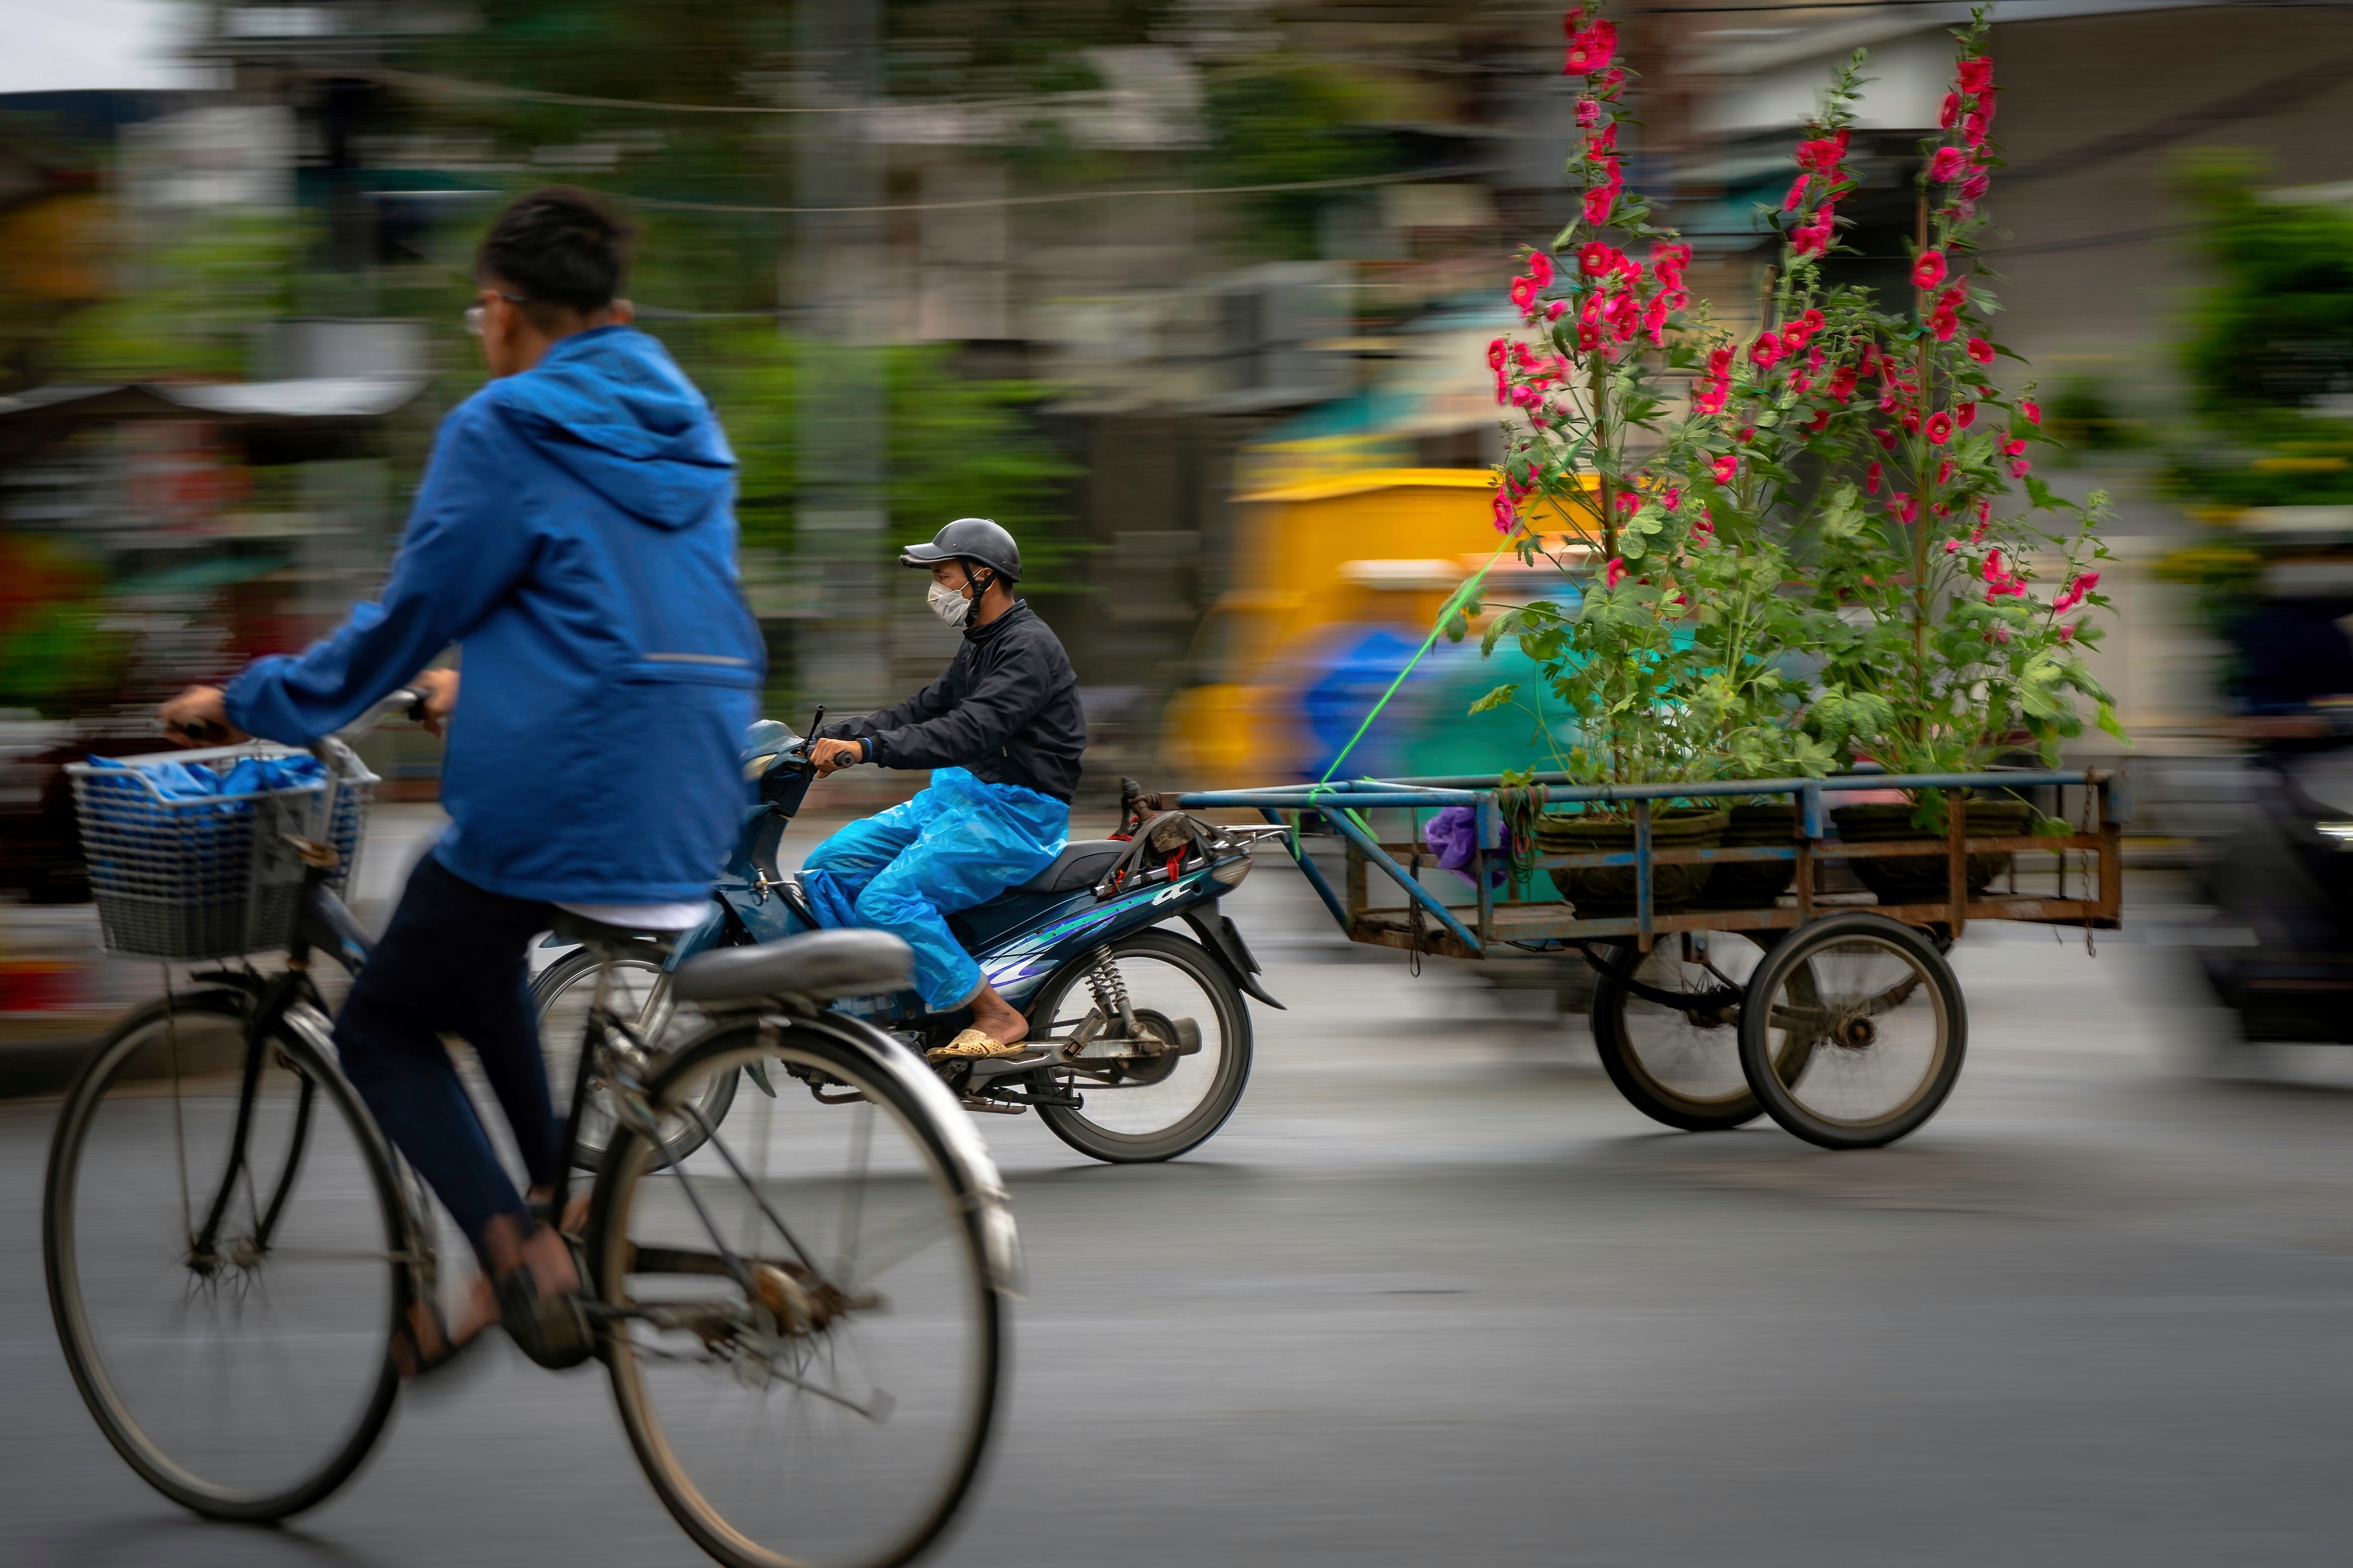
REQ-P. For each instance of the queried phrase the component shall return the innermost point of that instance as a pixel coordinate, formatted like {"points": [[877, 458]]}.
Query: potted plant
{"points": [[1825, 492]]}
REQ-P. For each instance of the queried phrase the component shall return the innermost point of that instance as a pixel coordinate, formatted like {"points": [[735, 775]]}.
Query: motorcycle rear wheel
{"points": [[1160, 1110]]}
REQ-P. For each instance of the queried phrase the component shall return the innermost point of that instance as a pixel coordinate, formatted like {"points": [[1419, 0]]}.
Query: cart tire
{"points": [[1671, 1068], [1853, 1031]]}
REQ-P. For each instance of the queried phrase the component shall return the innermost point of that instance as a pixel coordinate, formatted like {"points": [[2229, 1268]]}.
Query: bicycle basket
{"points": [[186, 875]]}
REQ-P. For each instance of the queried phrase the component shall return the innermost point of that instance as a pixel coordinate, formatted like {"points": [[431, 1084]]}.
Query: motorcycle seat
{"points": [[1081, 864], [820, 965]]}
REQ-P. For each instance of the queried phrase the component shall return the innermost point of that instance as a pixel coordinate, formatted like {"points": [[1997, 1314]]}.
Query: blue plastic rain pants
{"points": [[959, 842]]}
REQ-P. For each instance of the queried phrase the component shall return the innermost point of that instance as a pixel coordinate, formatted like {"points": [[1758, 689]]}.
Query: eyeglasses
{"points": [[474, 315]]}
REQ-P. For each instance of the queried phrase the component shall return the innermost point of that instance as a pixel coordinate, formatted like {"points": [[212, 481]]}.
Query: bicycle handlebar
{"points": [[408, 700]]}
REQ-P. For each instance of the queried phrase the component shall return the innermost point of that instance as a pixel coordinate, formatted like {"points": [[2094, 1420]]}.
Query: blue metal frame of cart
{"points": [[1428, 924]]}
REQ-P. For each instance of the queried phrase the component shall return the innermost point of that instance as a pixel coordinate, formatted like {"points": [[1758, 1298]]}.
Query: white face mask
{"points": [[949, 603]]}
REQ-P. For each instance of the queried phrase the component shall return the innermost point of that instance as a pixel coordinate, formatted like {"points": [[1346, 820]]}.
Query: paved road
{"points": [[1435, 1296]]}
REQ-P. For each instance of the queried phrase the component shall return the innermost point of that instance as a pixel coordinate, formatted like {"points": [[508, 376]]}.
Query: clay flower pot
{"points": [[1755, 884], [1605, 890], [1920, 879]]}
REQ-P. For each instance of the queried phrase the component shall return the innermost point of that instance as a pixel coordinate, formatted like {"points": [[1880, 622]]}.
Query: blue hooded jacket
{"points": [[575, 533]]}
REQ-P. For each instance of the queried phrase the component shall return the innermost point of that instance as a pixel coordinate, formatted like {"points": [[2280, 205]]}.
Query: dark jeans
{"points": [[453, 962]]}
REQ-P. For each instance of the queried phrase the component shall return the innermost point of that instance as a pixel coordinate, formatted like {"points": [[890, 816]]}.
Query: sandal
{"points": [[410, 1354], [550, 1330], [971, 1044]]}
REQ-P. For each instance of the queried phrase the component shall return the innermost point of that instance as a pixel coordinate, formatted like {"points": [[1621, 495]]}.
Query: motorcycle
{"points": [[1139, 1044]]}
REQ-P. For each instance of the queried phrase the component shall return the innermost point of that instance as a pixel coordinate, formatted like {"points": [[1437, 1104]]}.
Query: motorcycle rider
{"points": [[1002, 732], [575, 534]]}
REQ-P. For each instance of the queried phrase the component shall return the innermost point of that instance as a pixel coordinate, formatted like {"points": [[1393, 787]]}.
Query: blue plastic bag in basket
{"points": [[250, 775]]}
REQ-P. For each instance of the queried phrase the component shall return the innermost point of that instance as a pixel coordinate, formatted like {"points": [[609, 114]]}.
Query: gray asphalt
{"points": [[1436, 1295]]}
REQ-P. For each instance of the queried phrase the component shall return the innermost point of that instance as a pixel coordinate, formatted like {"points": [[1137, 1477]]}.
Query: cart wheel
{"points": [[1682, 1068], [1853, 1031]]}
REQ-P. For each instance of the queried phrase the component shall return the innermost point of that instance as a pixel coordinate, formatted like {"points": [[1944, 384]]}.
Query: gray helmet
{"points": [[969, 538]]}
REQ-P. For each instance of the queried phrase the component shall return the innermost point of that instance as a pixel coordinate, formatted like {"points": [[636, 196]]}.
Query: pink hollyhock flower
{"points": [[1615, 573], [1496, 352], [1801, 382], [1843, 383], [1943, 324], [1992, 571], [1725, 467], [1765, 350], [2067, 634], [1654, 320], [1523, 293], [1902, 507], [1870, 477], [1712, 400], [1965, 415], [1980, 351], [1793, 337], [1814, 360], [2013, 447], [1811, 320], [1950, 114], [1797, 196], [1999, 633], [1540, 268], [1508, 516], [1948, 165], [2019, 468], [1820, 422], [1940, 427], [1745, 435], [1974, 75], [1594, 258], [1672, 498], [1912, 422], [1978, 122], [1952, 546], [1628, 502], [2031, 410], [1598, 203], [1928, 271], [1944, 474], [1554, 311], [1590, 49], [1886, 439], [1719, 362], [1588, 113], [1975, 187]]}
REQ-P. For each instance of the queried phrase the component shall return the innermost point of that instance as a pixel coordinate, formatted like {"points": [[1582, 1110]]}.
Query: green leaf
{"points": [[1497, 697]]}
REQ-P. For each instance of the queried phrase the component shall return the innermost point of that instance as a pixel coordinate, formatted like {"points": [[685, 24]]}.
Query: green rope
{"points": [[1454, 603], [1460, 596]]}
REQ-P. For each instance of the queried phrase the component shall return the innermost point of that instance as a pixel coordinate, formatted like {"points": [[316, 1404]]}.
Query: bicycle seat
{"points": [[819, 964], [596, 933]]}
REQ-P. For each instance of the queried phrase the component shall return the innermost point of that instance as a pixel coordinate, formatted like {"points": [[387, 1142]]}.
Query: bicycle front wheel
{"points": [[802, 1327], [226, 1253]]}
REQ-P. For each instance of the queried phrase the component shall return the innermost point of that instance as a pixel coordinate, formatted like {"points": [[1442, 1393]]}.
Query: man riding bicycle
{"points": [[575, 535], [1002, 732]]}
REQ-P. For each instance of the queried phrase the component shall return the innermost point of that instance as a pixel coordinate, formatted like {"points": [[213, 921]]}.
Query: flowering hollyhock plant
{"points": [[1950, 655]]}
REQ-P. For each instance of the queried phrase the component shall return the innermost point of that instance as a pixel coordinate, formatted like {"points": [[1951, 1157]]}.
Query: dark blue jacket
{"points": [[575, 533]]}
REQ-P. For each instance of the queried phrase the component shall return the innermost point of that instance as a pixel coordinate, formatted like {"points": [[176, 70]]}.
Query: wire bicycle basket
{"points": [[196, 876]]}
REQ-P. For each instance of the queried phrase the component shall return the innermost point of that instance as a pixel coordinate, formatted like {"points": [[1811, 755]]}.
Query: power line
{"points": [[1406, 177], [455, 87]]}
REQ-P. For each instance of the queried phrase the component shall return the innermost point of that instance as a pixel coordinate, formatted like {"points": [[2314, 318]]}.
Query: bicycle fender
{"points": [[1000, 1243], [1217, 933]]}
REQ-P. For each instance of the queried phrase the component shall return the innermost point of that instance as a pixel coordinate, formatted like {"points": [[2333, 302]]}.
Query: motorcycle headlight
{"points": [[758, 765]]}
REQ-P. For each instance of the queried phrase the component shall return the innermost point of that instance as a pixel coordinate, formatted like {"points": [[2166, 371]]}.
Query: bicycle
{"points": [[803, 1321]]}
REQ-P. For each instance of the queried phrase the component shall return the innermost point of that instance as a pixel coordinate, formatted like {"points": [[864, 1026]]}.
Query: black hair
{"points": [[559, 246]]}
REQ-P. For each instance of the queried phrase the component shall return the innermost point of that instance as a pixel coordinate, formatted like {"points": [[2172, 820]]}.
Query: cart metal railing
{"points": [[1427, 924]]}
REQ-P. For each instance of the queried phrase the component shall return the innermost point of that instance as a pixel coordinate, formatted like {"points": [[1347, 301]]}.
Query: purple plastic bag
{"points": [[1453, 836]]}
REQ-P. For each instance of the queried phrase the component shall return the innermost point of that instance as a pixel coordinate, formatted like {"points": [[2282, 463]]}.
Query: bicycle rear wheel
{"points": [[828, 1404], [247, 1379]]}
